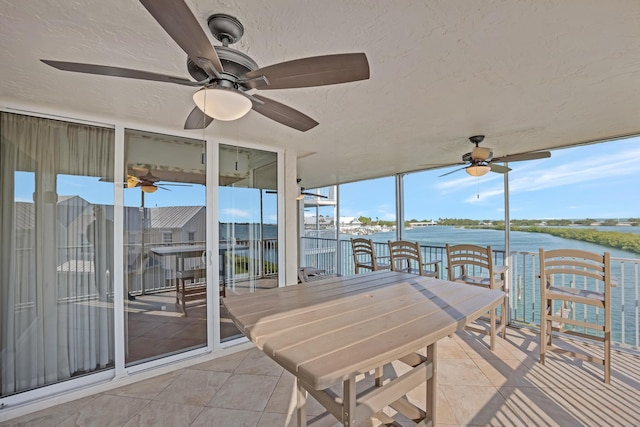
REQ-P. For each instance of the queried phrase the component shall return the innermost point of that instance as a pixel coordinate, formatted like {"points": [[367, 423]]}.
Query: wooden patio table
{"points": [[333, 330]]}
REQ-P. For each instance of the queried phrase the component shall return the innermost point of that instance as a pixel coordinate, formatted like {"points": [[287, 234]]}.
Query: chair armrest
{"points": [[432, 262], [500, 269]]}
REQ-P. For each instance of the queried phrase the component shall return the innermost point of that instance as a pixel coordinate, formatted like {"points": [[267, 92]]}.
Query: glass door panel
{"points": [[56, 280], [164, 245], [248, 217]]}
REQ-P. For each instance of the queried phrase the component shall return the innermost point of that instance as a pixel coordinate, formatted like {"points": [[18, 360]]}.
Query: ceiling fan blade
{"points": [[449, 173], [524, 156], [159, 184], [313, 195], [197, 120], [105, 70], [179, 22], [314, 71], [283, 114], [499, 168]]}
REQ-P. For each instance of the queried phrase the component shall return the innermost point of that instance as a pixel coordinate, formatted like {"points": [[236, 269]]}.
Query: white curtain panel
{"points": [[56, 265]]}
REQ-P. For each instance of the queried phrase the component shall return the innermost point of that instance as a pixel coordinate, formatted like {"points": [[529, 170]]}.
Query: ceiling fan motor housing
{"points": [[235, 63]]}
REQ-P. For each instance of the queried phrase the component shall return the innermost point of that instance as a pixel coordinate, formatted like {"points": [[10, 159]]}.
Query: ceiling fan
{"points": [[149, 183], [480, 160], [301, 194], [306, 193], [226, 75]]}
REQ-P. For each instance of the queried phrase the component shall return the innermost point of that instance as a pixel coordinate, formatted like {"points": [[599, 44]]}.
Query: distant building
{"points": [[423, 224]]}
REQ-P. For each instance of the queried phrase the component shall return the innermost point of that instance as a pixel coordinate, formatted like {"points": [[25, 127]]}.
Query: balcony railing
{"points": [[149, 273], [524, 286]]}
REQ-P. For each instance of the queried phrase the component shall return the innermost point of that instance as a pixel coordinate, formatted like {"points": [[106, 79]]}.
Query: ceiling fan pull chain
{"points": [[237, 143]]}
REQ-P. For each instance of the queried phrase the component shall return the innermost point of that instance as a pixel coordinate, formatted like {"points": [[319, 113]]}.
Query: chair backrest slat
{"points": [[576, 262], [463, 257], [364, 255], [404, 253]]}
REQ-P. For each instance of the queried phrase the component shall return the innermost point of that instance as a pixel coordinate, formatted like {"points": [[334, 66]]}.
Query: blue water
{"points": [[520, 241]]}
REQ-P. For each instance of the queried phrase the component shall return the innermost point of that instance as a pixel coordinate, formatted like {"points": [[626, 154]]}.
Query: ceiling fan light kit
{"points": [[477, 170], [222, 103], [149, 188]]}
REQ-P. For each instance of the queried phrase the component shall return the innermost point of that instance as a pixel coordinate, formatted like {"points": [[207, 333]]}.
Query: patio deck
{"points": [[507, 387]]}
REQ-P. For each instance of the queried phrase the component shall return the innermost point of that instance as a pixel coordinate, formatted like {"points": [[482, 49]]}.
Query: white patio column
{"points": [[507, 246], [399, 206]]}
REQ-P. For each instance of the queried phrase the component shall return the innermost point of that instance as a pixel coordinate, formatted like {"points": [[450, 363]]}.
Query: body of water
{"points": [[520, 241]]}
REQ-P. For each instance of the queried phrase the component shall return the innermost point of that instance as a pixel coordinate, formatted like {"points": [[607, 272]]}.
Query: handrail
{"points": [[524, 283]]}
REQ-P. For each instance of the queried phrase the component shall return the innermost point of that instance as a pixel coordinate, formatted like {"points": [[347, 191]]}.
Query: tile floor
{"points": [[157, 326], [476, 387]]}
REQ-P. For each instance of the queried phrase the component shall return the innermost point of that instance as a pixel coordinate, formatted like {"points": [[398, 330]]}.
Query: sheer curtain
{"points": [[56, 281]]}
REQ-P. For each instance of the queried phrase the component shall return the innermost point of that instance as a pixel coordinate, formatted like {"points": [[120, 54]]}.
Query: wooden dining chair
{"points": [[405, 256], [364, 256], [582, 280], [473, 265]]}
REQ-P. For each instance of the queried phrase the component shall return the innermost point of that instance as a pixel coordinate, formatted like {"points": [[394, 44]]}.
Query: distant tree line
{"points": [[612, 239], [531, 222], [365, 220], [466, 222]]}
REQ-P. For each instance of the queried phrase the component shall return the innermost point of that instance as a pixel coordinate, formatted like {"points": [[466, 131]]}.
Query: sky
{"points": [[594, 181]]}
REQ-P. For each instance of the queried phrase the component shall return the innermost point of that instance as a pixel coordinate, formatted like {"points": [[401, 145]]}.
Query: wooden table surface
{"points": [[329, 331]]}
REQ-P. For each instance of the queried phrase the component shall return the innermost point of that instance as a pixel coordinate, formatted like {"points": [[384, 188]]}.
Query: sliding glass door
{"points": [[60, 273], [57, 264], [248, 229], [164, 246]]}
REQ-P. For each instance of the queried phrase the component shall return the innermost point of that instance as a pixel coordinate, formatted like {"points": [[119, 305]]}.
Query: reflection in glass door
{"points": [[164, 245], [248, 232], [56, 279]]}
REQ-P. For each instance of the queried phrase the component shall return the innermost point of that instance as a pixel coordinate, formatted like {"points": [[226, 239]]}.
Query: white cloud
{"points": [[386, 212], [236, 213]]}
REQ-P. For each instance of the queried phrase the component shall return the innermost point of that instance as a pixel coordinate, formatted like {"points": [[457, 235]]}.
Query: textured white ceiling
{"points": [[529, 74]]}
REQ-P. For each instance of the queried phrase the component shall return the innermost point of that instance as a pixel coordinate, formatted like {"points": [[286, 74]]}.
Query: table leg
{"points": [[379, 380], [349, 402], [301, 404], [492, 332], [432, 384]]}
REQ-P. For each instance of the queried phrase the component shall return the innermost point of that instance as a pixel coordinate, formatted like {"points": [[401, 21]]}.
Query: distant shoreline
{"points": [[612, 239]]}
